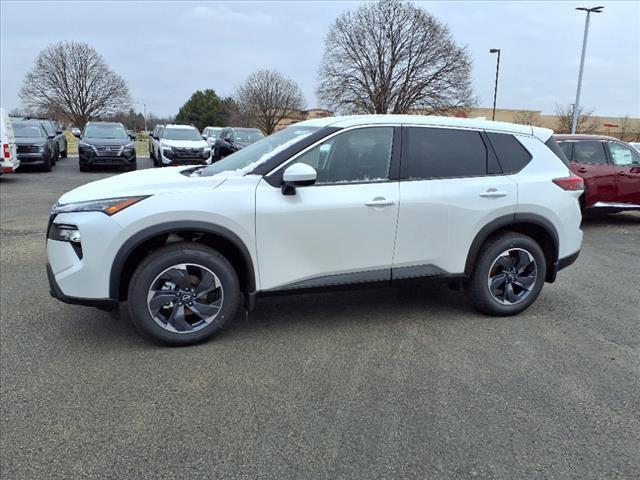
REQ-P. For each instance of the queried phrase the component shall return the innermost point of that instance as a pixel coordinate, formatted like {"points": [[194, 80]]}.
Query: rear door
{"points": [[589, 161], [450, 186], [626, 163]]}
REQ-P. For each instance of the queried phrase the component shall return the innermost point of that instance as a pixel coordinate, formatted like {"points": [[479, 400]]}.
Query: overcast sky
{"points": [[167, 50]]}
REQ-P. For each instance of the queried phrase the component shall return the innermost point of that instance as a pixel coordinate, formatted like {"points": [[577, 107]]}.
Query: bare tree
{"points": [[393, 57], [266, 98], [586, 122], [72, 81], [624, 125], [528, 117]]}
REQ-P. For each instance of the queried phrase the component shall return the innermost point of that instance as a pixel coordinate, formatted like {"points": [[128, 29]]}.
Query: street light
{"points": [[144, 106], [576, 108], [495, 90]]}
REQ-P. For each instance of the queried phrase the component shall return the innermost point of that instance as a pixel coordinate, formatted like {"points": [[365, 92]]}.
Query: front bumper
{"points": [[122, 159], [32, 158], [8, 166], [55, 291]]}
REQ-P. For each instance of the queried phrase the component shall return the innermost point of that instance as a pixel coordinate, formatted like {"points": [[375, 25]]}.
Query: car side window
{"points": [[355, 156], [430, 153], [622, 156], [567, 148], [589, 152], [512, 155]]}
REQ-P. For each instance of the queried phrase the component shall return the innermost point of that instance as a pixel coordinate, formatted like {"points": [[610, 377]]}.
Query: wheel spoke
{"points": [[509, 294], [497, 282], [161, 298], [180, 276], [505, 261], [522, 261], [177, 321], [526, 282], [206, 310], [206, 285]]}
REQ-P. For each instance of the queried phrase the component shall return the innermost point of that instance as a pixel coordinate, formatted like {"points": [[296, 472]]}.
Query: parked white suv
{"points": [[324, 203], [182, 145]]}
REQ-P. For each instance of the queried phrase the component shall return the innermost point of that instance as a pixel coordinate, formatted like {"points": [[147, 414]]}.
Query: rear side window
{"points": [[589, 152], [567, 148], [560, 152], [442, 153], [512, 155]]}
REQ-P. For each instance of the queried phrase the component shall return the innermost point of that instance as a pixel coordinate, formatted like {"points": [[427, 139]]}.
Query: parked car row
{"points": [[184, 145]]}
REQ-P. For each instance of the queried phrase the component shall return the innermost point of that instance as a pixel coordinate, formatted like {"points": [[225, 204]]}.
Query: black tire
{"points": [[150, 270], [46, 166], [489, 262], [64, 153], [85, 168], [131, 168]]}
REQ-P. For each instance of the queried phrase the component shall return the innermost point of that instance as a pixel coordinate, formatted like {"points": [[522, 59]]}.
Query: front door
{"points": [[626, 163], [340, 230]]}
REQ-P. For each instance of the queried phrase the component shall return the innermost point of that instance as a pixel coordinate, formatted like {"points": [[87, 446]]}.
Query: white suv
{"points": [[324, 203], [182, 145]]}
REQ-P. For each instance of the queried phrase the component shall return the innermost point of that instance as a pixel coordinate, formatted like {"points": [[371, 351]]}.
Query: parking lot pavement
{"points": [[370, 384]]}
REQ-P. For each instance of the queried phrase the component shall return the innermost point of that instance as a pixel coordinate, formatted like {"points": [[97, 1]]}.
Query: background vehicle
{"points": [[9, 157], [182, 145], [329, 202], [210, 135], [635, 145], [35, 145], [610, 169], [232, 139], [154, 141], [106, 143], [53, 128]]}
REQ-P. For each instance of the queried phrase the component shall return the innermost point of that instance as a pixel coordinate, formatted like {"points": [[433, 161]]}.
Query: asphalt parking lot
{"points": [[367, 384]]}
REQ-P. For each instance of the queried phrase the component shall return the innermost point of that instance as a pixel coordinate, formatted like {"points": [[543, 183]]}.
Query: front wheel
{"points": [[183, 294], [508, 275]]}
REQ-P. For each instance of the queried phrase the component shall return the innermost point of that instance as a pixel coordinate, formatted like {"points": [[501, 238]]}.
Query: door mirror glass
{"points": [[77, 134], [298, 175]]}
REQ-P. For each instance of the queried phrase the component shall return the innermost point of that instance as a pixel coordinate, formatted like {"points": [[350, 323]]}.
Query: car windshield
{"points": [[25, 130], [260, 151], [214, 132], [181, 134], [105, 131], [248, 135]]}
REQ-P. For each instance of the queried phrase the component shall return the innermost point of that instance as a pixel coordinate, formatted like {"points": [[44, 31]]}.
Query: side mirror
{"points": [[204, 137], [58, 132], [227, 138], [298, 175], [77, 134], [52, 135], [132, 136]]}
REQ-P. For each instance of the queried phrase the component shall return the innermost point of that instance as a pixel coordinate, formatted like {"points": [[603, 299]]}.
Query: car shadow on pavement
{"points": [[605, 220]]}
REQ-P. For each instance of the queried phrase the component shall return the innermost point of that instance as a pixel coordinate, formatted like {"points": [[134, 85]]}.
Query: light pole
{"points": [[495, 90], [576, 108], [144, 108]]}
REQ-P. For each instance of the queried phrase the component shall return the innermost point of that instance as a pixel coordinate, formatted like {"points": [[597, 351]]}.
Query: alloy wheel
{"points": [[185, 298], [512, 276]]}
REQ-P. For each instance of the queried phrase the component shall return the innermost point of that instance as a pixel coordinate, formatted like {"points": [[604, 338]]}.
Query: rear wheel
{"points": [[46, 166], [508, 275], [63, 154], [183, 294]]}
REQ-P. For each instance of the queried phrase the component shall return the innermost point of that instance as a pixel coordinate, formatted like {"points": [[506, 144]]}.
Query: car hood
{"points": [[106, 141], [144, 182], [185, 143], [30, 141]]}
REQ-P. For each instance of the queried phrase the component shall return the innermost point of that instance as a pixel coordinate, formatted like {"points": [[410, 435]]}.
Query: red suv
{"points": [[610, 169]]}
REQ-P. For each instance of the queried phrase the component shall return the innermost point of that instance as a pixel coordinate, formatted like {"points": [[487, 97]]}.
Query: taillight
{"points": [[5, 150], [571, 184]]}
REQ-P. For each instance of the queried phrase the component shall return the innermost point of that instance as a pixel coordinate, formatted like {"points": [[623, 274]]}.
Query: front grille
{"points": [[185, 153], [28, 149], [107, 150]]}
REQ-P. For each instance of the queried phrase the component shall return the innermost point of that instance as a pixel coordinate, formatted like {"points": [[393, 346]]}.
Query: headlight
{"points": [[109, 206], [166, 147], [129, 146], [64, 233], [84, 145]]}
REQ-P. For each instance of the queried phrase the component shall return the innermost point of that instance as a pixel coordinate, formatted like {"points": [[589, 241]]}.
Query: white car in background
{"points": [[635, 145], [182, 145], [9, 161], [210, 134]]}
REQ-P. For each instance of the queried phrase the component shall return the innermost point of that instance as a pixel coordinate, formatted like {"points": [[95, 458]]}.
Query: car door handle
{"points": [[379, 202], [621, 172], [493, 193], [582, 170]]}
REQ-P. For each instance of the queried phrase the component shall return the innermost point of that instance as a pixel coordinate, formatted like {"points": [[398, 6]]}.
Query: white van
{"points": [[9, 161]]}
